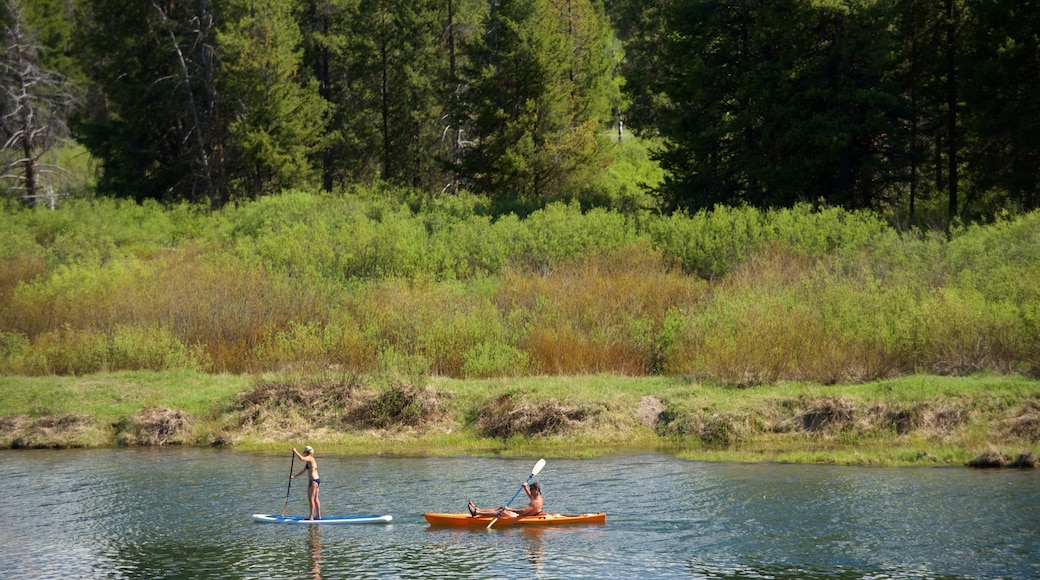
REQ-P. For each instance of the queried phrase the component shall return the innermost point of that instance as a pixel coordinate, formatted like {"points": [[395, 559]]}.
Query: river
{"points": [[186, 513]]}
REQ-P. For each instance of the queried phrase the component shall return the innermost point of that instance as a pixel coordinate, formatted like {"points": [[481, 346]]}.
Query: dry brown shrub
{"points": [[15, 270], [317, 400], [991, 459], [505, 417], [400, 405], [1027, 424], [152, 426], [63, 431], [583, 311], [827, 415], [564, 350]]}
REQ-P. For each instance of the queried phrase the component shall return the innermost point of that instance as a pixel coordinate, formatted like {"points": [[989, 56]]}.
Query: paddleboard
{"points": [[276, 519]]}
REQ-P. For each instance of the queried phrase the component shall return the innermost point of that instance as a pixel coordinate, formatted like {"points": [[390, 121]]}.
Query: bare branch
{"points": [[36, 103]]}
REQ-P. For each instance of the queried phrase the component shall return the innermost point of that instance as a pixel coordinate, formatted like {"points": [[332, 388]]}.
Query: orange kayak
{"points": [[466, 520]]}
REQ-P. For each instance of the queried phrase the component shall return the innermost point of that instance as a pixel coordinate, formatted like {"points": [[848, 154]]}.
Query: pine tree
{"points": [[772, 104], [324, 25], [398, 80], [277, 118], [151, 118], [535, 94]]}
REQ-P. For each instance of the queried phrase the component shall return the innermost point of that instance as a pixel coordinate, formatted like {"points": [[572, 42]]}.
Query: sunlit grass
{"points": [[112, 397], [916, 420]]}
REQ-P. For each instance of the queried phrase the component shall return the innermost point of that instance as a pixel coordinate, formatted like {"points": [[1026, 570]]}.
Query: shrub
{"points": [[400, 406]]}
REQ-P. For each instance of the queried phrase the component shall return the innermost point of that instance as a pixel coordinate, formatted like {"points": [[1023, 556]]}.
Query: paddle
{"points": [[288, 487], [537, 467]]}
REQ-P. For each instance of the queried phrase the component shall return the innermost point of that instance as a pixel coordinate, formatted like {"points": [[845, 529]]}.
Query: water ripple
{"points": [[184, 513]]}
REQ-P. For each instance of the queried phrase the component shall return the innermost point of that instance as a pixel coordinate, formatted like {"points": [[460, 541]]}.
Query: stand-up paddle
{"points": [[537, 467], [288, 487]]}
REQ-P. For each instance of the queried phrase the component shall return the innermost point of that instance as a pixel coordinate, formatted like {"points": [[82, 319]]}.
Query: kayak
{"points": [[276, 519], [466, 520]]}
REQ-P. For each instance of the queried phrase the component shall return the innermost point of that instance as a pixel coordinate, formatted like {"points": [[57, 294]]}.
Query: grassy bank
{"points": [[911, 420]]}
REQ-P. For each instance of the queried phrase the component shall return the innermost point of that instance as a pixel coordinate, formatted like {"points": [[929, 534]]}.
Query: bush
{"points": [[382, 277]]}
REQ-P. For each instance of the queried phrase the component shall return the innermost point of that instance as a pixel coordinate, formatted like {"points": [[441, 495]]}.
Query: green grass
{"points": [[113, 397], [700, 420]]}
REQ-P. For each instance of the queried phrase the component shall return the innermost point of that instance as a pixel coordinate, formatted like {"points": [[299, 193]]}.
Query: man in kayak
{"points": [[310, 465], [534, 507]]}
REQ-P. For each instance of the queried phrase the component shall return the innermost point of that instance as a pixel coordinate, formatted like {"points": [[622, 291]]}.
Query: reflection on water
{"points": [[185, 513], [315, 533], [535, 548]]}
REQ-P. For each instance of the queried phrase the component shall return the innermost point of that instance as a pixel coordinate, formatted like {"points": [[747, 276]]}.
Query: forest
{"points": [[922, 110]]}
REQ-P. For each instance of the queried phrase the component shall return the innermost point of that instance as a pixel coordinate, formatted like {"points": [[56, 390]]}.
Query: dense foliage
{"points": [[217, 100], [920, 109], [392, 280]]}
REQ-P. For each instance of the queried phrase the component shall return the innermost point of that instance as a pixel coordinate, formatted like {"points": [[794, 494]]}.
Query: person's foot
{"points": [[472, 509]]}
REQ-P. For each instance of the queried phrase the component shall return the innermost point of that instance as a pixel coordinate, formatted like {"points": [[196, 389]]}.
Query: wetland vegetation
{"points": [[399, 323]]}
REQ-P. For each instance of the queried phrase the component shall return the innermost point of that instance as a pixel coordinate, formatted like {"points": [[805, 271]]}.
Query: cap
{"points": [[308, 449]]}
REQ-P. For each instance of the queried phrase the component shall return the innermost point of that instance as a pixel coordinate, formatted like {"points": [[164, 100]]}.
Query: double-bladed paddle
{"points": [[537, 467]]}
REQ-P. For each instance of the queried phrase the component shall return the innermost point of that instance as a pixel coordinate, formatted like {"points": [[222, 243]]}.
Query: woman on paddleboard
{"points": [[534, 507], [310, 465]]}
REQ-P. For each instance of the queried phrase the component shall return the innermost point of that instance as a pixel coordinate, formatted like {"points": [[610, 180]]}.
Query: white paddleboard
{"points": [[277, 519]]}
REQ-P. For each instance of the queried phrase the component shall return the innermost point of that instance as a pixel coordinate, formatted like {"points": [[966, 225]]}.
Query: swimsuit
{"points": [[316, 481]]}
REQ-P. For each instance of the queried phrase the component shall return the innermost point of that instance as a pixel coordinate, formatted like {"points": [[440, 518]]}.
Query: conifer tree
{"points": [[277, 118], [534, 96], [397, 83], [325, 29], [151, 118]]}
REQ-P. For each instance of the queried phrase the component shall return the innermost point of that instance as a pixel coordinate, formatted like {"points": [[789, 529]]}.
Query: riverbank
{"points": [[911, 420]]}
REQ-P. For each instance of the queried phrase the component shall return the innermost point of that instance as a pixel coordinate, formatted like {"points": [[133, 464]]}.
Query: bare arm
{"points": [[532, 506], [527, 489]]}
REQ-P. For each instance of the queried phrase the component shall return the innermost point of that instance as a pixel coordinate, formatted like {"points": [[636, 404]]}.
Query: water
{"points": [[185, 513]]}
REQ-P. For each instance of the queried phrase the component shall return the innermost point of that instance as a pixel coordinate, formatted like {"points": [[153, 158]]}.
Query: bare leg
{"points": [[312, 499], [475, 511]]}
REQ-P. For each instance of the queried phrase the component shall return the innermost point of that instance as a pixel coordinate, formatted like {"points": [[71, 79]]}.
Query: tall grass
{"points": [[393, 281]]}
